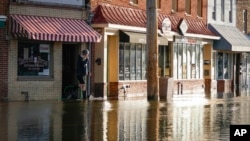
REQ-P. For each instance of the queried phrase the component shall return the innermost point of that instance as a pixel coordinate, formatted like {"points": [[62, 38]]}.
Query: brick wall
{"points": [[45, 89], [189, 86], [241, 5], [135, 89], [166, 7], [3, 53], [37, 90]]}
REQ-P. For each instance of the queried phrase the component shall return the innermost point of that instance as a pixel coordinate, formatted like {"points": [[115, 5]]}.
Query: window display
{"points": [[33, 59], [132, 61]]}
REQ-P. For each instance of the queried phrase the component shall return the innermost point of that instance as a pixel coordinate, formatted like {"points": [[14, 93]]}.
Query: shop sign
{"points": [[183, 26], [166, 26]]}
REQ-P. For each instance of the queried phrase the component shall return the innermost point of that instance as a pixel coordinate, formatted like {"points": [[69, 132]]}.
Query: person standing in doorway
{"points": [[82, 71]]}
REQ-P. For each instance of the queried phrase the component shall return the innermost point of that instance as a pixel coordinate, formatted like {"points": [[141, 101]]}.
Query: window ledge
{"points": [[186, 14], [35, 78]]}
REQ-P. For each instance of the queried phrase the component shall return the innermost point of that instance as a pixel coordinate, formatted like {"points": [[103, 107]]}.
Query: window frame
{"points": [[48, 77], [136, 70]]}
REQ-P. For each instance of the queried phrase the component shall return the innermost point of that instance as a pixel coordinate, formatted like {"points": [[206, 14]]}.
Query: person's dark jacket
{"points": [[82, 66]]}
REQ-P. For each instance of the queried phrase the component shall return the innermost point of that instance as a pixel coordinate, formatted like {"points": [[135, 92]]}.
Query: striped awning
{"points": [[52, 29]]}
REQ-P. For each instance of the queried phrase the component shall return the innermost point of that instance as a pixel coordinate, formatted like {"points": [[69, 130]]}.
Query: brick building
{"points": [[243, 16], [45, 39], [3, 49], [123, 49]]}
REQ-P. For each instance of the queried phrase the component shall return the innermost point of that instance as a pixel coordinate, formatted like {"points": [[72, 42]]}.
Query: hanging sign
{"points": [[183, 26], [166, 26]]}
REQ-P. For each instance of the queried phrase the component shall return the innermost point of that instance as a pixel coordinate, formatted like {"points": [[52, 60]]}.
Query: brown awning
{"points": [[52, 29]]}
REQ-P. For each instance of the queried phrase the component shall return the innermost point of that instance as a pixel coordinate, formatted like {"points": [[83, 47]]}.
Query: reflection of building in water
{"points": [[34, 122], [132, 118], [188, 123]]}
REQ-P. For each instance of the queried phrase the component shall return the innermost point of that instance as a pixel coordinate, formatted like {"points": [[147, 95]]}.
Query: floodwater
{"points": [[194, 118]]}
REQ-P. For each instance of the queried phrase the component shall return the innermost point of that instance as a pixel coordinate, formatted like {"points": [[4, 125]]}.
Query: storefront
{"points": [[232, 60], [123, 52], [42, 55]]}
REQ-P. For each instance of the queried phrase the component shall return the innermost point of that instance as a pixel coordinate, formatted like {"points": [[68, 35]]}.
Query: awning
{"points": [[136, 37], [52, 29], [232, 39], [107, 14]]}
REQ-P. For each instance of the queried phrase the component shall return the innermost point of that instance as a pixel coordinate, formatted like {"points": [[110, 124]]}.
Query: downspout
{"points": [[89, 19]]}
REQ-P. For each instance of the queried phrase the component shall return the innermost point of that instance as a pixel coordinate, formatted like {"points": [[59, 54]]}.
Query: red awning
{"points": [[52, 29], [106, 13]]}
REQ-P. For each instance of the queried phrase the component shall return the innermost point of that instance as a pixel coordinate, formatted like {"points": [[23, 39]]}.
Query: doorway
{"points": [[245, 72], [69, 60]]}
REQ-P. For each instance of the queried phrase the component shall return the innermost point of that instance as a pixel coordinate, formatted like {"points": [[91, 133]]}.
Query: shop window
{"points": [[188, 61], [224, 65], [34, 59], [132, 61]]}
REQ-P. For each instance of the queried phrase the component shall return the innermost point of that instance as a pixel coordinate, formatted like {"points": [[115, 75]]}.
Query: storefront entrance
{"points": [[244, 69], [69, 60]]}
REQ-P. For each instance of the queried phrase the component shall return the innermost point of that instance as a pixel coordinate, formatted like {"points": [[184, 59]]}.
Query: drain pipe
{"points": [[89, 18]]}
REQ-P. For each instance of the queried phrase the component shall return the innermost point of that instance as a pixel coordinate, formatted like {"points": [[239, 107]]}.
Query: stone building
{"points": [[3, 49]]}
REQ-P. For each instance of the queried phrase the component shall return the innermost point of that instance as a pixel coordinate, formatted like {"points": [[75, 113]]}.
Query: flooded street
{"points": [[183, 119]]}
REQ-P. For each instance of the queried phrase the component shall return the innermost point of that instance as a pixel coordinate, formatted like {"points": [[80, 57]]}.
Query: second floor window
{"points": [[214, 11], [222, 10], [230, 12], [134, 1], [188, 6], [199, 8], [245, 21], [175, 5], [158, 4]]}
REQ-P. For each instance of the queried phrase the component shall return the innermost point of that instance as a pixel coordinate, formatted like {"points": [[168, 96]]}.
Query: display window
{"points": [[132, 61], [188, 59], [34, 59]]}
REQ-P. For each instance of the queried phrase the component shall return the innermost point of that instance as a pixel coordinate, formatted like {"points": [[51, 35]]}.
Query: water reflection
{"points": [[189, 119]]}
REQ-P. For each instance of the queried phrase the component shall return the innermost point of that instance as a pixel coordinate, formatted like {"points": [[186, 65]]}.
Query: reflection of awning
{"points": [[135, 37], [52, 29], [232, 39]]}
